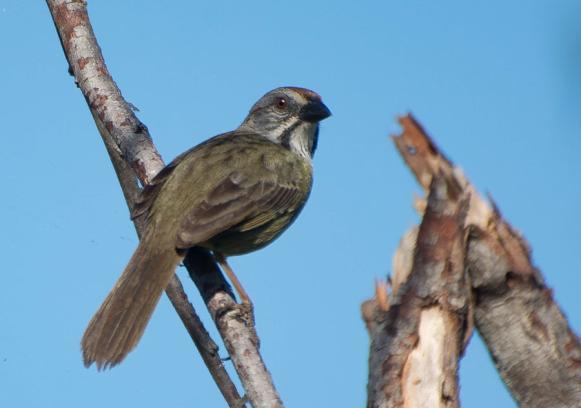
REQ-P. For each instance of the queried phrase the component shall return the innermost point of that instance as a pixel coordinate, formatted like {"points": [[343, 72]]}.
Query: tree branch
{"points": [[535, 351], [239, 339], [416, 343], [133, 154]]}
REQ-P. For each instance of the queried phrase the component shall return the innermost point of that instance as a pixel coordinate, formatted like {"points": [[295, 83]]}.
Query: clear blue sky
{"points": [[497, 83]]}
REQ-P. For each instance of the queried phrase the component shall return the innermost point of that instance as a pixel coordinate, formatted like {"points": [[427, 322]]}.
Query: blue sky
{"points": [[496, 83]]}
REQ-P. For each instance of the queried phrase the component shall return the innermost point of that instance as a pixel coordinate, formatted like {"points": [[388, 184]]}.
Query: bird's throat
{"points": [[302, 139]]}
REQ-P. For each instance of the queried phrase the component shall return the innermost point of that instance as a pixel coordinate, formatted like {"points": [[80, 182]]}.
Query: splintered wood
{"points": [[426, 321], [464, 263]]}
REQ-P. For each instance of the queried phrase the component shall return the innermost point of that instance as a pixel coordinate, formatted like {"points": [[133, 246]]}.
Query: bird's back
{"points": [[234, 193]]}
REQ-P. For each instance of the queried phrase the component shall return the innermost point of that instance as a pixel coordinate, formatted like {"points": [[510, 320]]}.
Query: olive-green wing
{"points": [[240, 201], [150, 191]]}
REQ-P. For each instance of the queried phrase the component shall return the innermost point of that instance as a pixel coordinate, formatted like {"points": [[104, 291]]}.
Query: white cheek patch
{"points": [[281, 130], [302, 139]]}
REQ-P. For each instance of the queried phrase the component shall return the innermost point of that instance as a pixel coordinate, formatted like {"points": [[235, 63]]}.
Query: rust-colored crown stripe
{"points": [[306, 93]]}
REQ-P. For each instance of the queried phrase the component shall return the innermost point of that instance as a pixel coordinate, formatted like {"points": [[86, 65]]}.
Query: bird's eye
{"points": [[281, 104]]}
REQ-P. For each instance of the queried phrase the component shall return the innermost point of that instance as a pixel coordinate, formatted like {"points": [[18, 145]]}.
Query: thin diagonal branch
{"points": [[131, 151]]}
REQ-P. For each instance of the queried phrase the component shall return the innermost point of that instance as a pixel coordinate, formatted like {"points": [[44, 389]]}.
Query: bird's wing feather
{"points": [[248, 190], [239, 201], [151, 191]]}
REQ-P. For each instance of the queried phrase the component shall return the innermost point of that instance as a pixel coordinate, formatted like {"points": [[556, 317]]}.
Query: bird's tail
{"points": [[120, 321]]}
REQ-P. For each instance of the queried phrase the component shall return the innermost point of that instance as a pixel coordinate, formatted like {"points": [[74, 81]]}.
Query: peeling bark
{"points": [[134, 157], [416, 344], [536, 353]]}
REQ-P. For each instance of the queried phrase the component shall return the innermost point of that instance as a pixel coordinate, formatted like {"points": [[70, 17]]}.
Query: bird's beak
{"points": [[314, 111]]}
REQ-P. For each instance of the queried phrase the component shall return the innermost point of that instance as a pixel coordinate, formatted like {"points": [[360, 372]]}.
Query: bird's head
{"points": [[288, 116]]}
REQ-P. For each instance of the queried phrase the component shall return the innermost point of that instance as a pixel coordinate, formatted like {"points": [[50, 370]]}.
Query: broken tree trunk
{"points": [[536, 353], [418, 335]]}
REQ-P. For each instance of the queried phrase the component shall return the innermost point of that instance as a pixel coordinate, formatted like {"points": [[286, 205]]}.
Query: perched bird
{"points": [[232, 194]]}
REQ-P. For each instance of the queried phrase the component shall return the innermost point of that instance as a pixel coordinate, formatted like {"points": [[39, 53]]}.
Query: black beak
{"points": [[314, 111]]}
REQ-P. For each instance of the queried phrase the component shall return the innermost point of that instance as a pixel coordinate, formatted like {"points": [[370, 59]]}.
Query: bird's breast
{"points": [[239, 240]]}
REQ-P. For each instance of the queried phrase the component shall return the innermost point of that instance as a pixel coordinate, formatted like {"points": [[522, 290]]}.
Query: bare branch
{"points": [[537, 354], [241, 345], [534, 349], [416, 344], [133, 154], [128, 135]]}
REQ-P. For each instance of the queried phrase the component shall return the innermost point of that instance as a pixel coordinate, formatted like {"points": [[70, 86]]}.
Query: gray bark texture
{"points": [[536, 353], [134, 158]]}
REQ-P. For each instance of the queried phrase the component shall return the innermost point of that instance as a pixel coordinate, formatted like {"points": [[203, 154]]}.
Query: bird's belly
{"points": [[239, 241]]}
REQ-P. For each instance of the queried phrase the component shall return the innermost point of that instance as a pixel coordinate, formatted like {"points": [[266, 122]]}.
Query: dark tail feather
{"points": [[120, 321]]}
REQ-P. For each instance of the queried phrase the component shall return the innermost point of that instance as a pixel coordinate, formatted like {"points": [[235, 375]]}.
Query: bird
{"points": [[232, 194]]}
